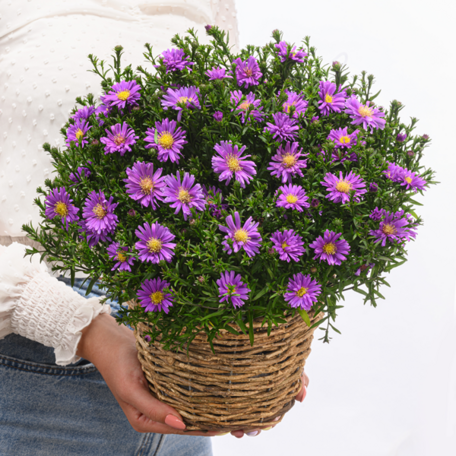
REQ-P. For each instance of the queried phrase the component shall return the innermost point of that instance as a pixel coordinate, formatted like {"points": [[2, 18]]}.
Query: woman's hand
{"points": [[112, 349]]}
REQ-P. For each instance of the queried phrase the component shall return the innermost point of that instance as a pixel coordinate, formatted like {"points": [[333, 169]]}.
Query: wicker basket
{"points": [[240, 387]]}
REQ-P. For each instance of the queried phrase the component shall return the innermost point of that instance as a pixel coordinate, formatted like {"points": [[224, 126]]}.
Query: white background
{"points": [[387, 385]]}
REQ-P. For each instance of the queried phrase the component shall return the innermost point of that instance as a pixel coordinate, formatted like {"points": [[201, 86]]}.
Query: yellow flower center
{"points": [[408, 180], [248, 72], [79, 134], [329, 248], [389, 229], [292, 199], [365, 111], [344, 139], [287, 106], [146, 185], [61, 208], [245, 105], [328, 98], [289, 160], [121, 257], [119, 139], [184, 100], [99, 211], [157, 297], [183, 196], [166, 140], [123, 95], [241, 236], [302, 291], [154, 245], [233, 164], [343, 186], [284, 245]]}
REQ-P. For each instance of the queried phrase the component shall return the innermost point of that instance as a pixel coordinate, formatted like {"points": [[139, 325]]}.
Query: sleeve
{"points": [[36, 305]]}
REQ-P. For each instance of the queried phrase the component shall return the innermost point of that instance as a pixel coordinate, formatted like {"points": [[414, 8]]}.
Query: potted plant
{"points": [[229, 202]]}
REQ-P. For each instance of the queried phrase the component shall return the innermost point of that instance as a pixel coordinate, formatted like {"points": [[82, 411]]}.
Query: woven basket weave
{"points": [[240, 387]]}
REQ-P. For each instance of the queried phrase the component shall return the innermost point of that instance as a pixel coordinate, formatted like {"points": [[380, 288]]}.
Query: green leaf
{"points": [[241, 324], [261, 293], [305, 317], [91, 284]]}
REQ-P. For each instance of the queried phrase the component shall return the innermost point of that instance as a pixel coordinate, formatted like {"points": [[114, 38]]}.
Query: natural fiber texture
{"points": [[240, 387]]}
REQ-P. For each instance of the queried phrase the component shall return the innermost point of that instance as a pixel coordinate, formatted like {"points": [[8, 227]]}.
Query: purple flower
{"points": [[93, 238], [363, 267], [394, 228], [401, 137], [314, 119], [184, 195], [217, 73], [153, 296], [77, 132], [99, 214], [118, 253], [412, 181], [231, 288], [373, 187], [377, 214], [286, 163], [102, 109], [122, 94], [394, 172], [295, 100], [292, 197], [145, 186], [341, 138], [339, 188], [283, 127], [329, 100], [119, 139], [230, 162], [248, 104], [248, 72], [83, 113], [296, 56], [330, 249], [82, 172], [169, 142], [315, 202], [175, 59], [218, 116], [59, 204], [288, 244], [208, 27], [246, 237], [178, 98], [155, 243], [366, 115], [302, 291]]}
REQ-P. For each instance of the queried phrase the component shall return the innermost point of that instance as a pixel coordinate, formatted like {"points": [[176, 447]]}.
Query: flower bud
{"points": [[136, 108], [95, 142], [272, 251], [218, 116], [315, 202], [131, 212], [192, 221], [401, 137], [313, 270], [373, 187], [410, 153], [208, 27], [425, 137], [201, 279], [118, 48]]}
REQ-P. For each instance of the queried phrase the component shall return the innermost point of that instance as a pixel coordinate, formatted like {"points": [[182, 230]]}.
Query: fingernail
{"points": [[267, 429], [277, 418], [174, 422], [252, 433], [302, 394]]}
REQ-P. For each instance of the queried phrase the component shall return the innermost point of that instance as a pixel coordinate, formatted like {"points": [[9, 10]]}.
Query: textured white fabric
{"points": [[37, 306]]}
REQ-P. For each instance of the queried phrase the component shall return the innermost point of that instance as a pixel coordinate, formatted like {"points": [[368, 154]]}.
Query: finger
{"points": [[305, 379], [303, 392]]}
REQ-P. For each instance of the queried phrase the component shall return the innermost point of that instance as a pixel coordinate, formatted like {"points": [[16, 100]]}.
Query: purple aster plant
{"points": [[230, 162], [232, 289], [102, 109], [83, 113], [144, 185], [341, 187], [92, 237], [302, 291], [77, 132], [394, 228], [184, 96], [330, 101], [244, 237], [283, 128], [119, 139], [288, 244], [294, 55], [218, 73], [286, 162], [59, 204], [123, 94], [412, 181], [246, 104], [154, 297], [366, 115], [184, 195], [82, 172], [394, 172], [169, 141], [401, 137], [154, 243], [377, 214], [330, 248], [247, 73], [373, 187], [123, 261], [218, 116], [341, 138], [98, 213], [295, 101], [175, 60], [292, 197]]}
